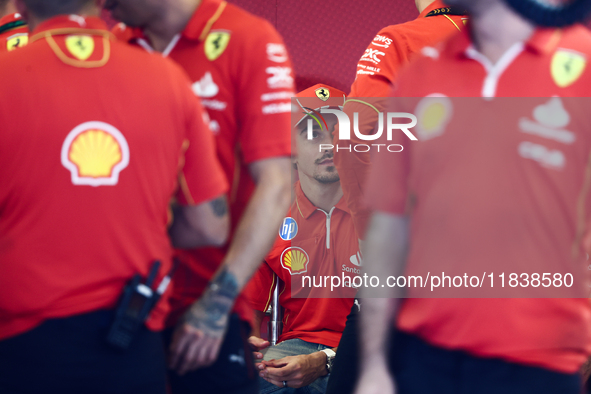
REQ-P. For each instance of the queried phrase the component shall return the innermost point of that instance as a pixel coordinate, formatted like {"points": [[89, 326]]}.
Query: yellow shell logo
{"points": [[567, 67], [17, 41], [215, 44], [80, 47], [433, 114], [295, 260], [95, 153]]}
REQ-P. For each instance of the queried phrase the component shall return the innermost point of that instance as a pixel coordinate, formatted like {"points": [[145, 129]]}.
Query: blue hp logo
{"points": [[288, 230]]}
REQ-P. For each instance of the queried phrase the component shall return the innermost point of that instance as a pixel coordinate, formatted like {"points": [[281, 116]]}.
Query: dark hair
{"points": [[544, 14], [49, 8]]}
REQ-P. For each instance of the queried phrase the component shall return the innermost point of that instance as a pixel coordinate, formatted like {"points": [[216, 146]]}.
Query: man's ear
{"points": [[21, 8]]}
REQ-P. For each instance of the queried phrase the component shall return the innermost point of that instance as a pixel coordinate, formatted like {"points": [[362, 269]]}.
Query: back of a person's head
{"points": [[45, 9]]}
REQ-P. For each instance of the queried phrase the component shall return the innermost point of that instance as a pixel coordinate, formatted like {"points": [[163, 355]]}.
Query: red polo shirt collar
{"points": [[203, 19], [70, 21], [305, 208]]}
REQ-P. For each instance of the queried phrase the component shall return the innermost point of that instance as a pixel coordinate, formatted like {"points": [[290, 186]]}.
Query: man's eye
{"points": [[315, 134]]}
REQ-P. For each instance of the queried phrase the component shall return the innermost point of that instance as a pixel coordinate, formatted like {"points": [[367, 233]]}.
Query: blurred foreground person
{"points": [[510, 189], [317, 239], [377, 72], [240, 68], [14, 32], [87, 171]]}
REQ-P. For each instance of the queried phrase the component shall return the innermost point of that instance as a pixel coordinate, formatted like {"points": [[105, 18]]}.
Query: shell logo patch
{"points": [[295, 260], [216, 43], [322, 93], [433, 114], [17, 41], [567, 67], [81, 47], [95, 153]]}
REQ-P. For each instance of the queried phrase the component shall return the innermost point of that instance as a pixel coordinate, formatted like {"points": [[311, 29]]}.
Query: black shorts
{"points": [[70, 356], [232, 373]]}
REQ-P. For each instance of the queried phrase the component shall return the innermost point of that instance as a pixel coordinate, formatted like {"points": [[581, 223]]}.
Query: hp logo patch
{"points": [[288, 230]]}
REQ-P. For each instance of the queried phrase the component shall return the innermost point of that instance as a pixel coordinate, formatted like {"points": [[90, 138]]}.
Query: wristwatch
{"points": [[330, 355]]}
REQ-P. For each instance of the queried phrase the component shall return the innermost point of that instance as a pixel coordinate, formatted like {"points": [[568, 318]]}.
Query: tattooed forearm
{"points": [[220, 206], [210, 314]]}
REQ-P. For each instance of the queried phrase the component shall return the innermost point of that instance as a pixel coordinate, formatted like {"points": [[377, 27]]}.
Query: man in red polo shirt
{"points": [[316, 239], [242, 72], [84, 202], [14, 32], [470, 195], [377, 72]]}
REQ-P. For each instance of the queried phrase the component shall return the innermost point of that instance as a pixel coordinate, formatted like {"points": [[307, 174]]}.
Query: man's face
{"points": [[312, 162], [135, 13]]}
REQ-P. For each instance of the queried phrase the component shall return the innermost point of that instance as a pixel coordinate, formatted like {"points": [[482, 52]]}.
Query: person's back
{"points": [[91, 146]]}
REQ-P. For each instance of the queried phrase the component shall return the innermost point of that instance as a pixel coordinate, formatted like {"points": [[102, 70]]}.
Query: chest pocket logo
{"points": [[295, 260], [567, 67], [81, 47], [215, 44]]}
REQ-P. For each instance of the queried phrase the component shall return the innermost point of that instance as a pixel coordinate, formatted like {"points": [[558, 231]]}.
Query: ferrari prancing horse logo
{"points": [[567, 67], [216, 43], [80, 47], [322, 93]]}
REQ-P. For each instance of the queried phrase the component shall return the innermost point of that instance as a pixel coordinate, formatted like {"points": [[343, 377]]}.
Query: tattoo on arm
{"points": [[210, 314], [220, 206]]}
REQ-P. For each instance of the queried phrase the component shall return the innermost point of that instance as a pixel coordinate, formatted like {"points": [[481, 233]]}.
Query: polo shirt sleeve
{"points": [[200, 177], [265, 87], [259, 290], [379, 65]]}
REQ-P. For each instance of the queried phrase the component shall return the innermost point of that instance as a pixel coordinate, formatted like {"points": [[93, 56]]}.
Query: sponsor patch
{"points": [[567, 67], [322, 93], [81, 47], [433, 114], [95, 153], [277, 53], [280, 77], [289, 229], [216, 43], [15, 41], [295, 260]]}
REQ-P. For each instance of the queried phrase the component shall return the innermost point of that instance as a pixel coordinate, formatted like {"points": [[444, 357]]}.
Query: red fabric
{"points": [[250, 113], [310, 315], [476, 199], [377, 71], [15, 37], [68, 245]]}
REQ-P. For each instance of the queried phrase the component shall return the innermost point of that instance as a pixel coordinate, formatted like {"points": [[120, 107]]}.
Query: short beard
{"points": [[327, 179]]}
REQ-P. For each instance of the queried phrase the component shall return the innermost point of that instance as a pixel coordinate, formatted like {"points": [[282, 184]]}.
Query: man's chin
{"points": [[326, 180]]}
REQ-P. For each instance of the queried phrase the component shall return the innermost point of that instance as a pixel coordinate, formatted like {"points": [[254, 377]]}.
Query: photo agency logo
{"points": [[376, 137]]}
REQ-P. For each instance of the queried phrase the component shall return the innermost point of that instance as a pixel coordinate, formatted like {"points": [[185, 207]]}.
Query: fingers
{"points": [[177, 347], [257, 355], [192, 349], [188, 360], [258, 343]]}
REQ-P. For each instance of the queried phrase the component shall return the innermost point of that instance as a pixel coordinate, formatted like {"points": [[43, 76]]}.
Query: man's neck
{"points": [[496, 28], [423, 4], [172, 21], [321, 195], [8, 9]]}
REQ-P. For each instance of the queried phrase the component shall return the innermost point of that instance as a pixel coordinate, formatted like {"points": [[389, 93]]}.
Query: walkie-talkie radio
{"points": [[136, 303]]}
